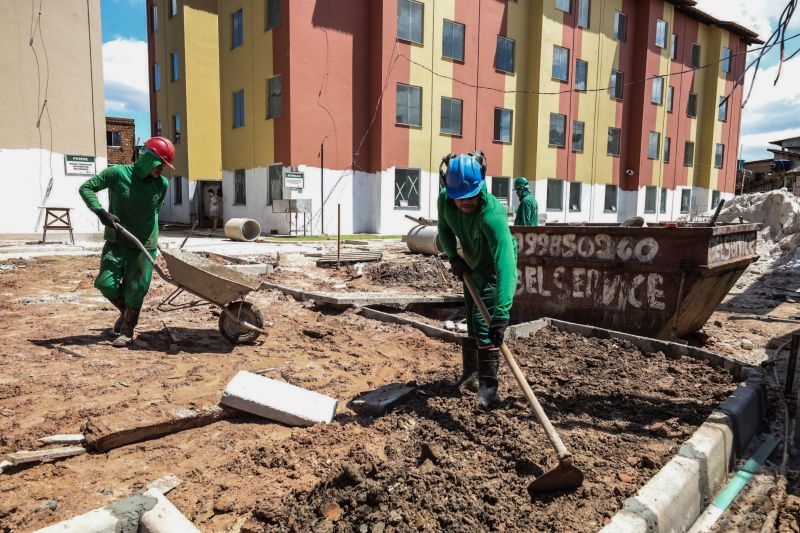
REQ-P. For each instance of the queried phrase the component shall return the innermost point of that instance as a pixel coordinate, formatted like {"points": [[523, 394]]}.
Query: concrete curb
{"points": [[676, 496], [361, 299]]}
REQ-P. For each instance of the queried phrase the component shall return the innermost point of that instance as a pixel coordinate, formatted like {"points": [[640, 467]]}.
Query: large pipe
{"points": [[242, 229], [424, 240]]}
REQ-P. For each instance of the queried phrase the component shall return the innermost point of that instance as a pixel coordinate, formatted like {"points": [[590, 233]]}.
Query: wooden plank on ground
{"points": [[427, 329], [38, 456], [113, 431]]}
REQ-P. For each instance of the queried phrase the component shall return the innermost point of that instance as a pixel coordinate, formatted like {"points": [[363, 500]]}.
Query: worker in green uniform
{"points": [[468, 212], [528, 210], [135, 195]]}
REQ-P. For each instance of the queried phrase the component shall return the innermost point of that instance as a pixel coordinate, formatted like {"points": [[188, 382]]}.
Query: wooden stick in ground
{"points": [[555, 440]]}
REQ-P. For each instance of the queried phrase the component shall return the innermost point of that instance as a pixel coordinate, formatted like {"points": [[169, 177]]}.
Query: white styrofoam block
{"points": [[164, 517], [98, 521], [279, 401]]}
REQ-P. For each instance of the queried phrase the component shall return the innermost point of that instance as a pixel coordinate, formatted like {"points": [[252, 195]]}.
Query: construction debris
{"points": [[39, 456], [349, 257], [75, 438], [164, 517], [378, 401]]}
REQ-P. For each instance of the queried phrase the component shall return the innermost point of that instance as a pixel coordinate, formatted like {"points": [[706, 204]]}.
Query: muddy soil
{"points": [[425, 273], [450, 467]]}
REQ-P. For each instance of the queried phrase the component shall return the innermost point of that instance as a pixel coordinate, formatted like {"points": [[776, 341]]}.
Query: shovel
{"points": [[565, 476]]}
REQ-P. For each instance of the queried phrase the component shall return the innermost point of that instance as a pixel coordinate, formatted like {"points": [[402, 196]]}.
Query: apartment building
{"points": [[611, 107], [183, 48], [52, 119]]}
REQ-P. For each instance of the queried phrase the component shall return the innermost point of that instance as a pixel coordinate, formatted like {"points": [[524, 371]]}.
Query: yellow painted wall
{"points": [[517, 29]]}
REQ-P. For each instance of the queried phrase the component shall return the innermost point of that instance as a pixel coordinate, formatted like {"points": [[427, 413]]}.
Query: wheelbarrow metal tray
{"points": [[207, 279]]}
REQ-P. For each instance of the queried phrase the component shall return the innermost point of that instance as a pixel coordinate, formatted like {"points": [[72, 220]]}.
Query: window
{"points": [[613, 141], [575, 196], [563, 5], [583, 13], [275, 183], [274, 95], [555, 195], [176, 128], [157, 128], [409, 20], [650, 199], [237, 30], [661, 33], [406, 187], [558, 130], [450, 123], [616, 84], [673, 53], [177, 187], [173, 8], [239, 187], [695, 55], [453, 40], [688, 154], [691, 105], [653, 145], [715, 198], [560, 63], [503, 119], [667, 148], [501, 189], [723, 108], [670, 98], [719, 155], [409, 105], [686, 200], [658, 91], [581, 73], [154, 16], [113, 138], [504, 55], [578, 129], [610, 201], [238, 109], [156, 77], [620, 26], [273, 15], [726, 60], [176, 69], [662, 208]]}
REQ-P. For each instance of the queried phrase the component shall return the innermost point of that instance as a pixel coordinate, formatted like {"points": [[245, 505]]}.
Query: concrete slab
{"points": [[279, 401], [18, 458], [123, 516], [76, 438], [165, 484], [378, 401], [712, 446], [164, 517], [255, 269], [626, 522], [363, 299]]}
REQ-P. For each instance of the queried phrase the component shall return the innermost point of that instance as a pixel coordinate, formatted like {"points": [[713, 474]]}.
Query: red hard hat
{"points": [[163, 148]]}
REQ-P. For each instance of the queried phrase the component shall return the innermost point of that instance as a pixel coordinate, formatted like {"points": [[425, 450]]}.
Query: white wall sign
{"points": [[82, 165], [293, 180]]}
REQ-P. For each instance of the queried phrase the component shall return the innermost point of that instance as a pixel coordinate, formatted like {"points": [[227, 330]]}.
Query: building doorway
{"points": [[204, 202]]}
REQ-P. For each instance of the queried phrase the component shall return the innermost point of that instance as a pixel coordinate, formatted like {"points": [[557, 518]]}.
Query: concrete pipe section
{"points": [[242, 229], [424, 240]]}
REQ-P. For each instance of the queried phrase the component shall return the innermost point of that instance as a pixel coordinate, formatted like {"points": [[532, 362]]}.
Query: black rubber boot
{"points": [[119, 303], [128, 326], [469, 360], [488, 365]]}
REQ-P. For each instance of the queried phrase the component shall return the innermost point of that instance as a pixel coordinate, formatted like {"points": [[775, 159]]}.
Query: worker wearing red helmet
{"points": [[135, 195]]}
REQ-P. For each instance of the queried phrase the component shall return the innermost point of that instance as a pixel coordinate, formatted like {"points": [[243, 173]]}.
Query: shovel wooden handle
{"points": [[555, 440]]}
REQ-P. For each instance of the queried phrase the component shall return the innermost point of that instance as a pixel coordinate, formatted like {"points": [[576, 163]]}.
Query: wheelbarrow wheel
{"points": [[235, 332]]}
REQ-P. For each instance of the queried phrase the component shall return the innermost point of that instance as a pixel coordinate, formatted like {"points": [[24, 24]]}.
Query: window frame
{"points": [[662, 201], [578, 62], [691, 105], [557, 117], [618, 142], [399, 197], [688, 204], [410, 37], [269, 23], [559, 6], [173, 8], [503, 41], [584, 13], [620, 16], [617, 85], [726, 59], [510, 127], [615, 207], [156, 77], [582, 129], [409, 87], [659, 24], [673, 54], [657, 82], [560, 50], [716, 198], [496, 183], [238, 14], [560, 195], [454, 25], [723, 104], [157, 128], [572, 185], [239, 173], [670, 98], [175, 67], [648, 189], [657, 136], [719, 156], [667, 149], [154, 18], [176, 128], [110, 134], [270, 108], [695, 62], [450, 102], [687, 161], [274, 183], [177, 190], [235, 114]]}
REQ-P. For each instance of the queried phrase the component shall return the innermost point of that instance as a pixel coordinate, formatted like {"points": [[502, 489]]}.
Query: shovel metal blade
{"points": [[563, 477]]}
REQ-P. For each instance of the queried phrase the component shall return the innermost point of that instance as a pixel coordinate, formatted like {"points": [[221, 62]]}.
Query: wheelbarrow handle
{"points": [[552, 435], [132, 238]]}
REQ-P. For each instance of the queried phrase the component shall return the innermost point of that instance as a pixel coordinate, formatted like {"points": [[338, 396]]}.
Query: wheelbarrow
{"points": [[239, 321]]}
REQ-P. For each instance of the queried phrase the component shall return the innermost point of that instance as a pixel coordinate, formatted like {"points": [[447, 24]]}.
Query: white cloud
{"points": [[126, 77], [760, 16]]}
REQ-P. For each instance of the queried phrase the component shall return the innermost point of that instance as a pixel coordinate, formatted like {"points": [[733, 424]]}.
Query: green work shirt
{"points": [[528, 210], [133, 196], [486, 243]]}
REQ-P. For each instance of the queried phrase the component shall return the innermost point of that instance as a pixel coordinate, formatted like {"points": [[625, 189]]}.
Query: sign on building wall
{"points": [[81, 165], [293, 180]]}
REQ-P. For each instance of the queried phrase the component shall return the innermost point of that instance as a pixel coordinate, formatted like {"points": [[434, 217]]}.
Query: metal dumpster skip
{"points": [[656, 281]]}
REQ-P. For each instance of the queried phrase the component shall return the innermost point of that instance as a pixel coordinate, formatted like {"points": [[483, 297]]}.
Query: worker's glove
{"points": [[459, 267], [107, 218], [497, 331]]}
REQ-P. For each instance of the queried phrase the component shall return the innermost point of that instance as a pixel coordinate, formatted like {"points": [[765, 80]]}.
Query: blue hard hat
{"points": [[464, 177]]}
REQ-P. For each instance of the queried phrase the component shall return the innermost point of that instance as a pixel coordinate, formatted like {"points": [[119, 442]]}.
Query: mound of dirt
{"points": [[428, 273], [451, 467]]}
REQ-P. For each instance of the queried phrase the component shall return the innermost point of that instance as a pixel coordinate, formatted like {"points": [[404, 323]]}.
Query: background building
{"points": [[183, 48], [52, 119], [769, 174], [614, 108], [120, 140]]}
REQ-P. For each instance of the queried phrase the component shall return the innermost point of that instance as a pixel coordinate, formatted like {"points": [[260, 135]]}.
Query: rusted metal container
{"points": [[656, 281]]}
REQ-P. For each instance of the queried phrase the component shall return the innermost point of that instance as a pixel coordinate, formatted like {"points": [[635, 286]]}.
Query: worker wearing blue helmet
{"points": [[468, 212]]}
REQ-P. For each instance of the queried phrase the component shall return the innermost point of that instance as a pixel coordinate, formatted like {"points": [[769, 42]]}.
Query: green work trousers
{"points": [[124, 272], [477, 328]]}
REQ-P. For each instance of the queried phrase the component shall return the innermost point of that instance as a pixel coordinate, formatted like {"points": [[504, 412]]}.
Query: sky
{"points": [[770, 114]]}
